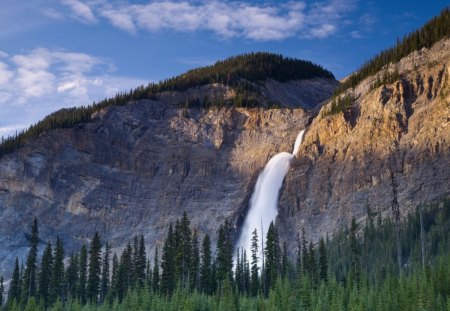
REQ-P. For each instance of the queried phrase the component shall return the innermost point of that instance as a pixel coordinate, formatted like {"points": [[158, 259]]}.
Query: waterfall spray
{"points": [[264, 201]]}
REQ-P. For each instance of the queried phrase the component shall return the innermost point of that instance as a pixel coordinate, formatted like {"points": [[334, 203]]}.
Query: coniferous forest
{"points": [[367, 266]]}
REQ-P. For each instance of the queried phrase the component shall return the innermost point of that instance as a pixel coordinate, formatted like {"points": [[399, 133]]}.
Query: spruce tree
{"points": [[72, 276], [254, 278], [155, 273], [168, 267], [45, 275], [312, 265], [57, 281], [93, 284], [246, 273], [355, 252], [205, 270], [323, 261], [29, 277], [140, 262], [82, 275], [272, 257], [104, 287], [2, 289], [15, 286], [194, 270], [224, 253]]}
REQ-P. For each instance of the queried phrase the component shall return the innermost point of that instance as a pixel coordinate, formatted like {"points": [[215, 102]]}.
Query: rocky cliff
{"points": [[136, 168], [392, 144]]}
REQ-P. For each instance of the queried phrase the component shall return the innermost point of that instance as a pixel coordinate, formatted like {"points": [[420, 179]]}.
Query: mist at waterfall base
{"points": [[264, 201]]}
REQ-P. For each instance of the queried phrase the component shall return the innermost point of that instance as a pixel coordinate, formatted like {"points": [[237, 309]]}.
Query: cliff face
{"points": [[394, 142], [137, 168]]}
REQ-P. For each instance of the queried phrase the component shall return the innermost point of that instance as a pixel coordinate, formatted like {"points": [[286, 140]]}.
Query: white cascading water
{"points": [[264, 200]]}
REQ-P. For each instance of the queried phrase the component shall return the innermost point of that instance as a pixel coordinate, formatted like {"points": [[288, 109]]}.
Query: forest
{"points": [[377, 264], [433, 31]]}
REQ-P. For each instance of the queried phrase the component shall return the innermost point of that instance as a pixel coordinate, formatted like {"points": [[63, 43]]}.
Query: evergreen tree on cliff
{"points": [[205, 270], [272, 257], [224, 253], [14, 287], [155, 273], [168, 275], [254, 278], [29, 277], [93, 284], [57, 281], [45, 275], [82, 274], [104, 287]]}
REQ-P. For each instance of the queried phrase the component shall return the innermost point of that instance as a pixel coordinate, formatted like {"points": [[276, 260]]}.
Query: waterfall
{"points": [[264, 201]]}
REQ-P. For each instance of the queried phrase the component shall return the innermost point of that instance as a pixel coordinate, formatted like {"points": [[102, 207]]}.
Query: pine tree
{"points": [[29, 277], [2, 289], [195, 263], [323, 261], [168, 260], [205, 270], [72, 276], [57, 281], [312, 265], [305, 255], [272, 257], [82, 275], [104, 287], [93, 284], [45, 275], [246, 273], [155, 273], [15, 286], [140, 263], [224, 253], [124, 272], [254, 278]]}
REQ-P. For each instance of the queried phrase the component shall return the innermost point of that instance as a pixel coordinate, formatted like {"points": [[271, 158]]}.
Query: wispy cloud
{"points": [[40, 81], [254, 21], [81, 11]]}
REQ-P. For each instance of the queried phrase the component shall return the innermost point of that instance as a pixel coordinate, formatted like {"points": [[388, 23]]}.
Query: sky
{"points": [[65, 53]]}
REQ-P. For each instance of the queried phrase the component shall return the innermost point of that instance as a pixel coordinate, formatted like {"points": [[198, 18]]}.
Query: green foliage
{"points": [[436, 29], [57, 285], [29, 278], [340, 104], [45, 275], [93, 283], [355, 270]]}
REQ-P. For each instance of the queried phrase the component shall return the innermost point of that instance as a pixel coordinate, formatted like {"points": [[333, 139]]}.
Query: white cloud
{"points": [[38, 82], [254, 21], [81, 11], [52, 13]]}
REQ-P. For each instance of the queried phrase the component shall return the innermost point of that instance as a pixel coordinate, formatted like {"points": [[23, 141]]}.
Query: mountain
{"points": [[131, 166], [196, 143]]}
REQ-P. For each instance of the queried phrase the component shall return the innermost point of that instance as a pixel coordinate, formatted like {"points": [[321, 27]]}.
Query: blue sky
{"points": [[66, 53]]}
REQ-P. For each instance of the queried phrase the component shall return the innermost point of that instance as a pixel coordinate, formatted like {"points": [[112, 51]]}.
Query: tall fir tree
{"points": [[312, 265], [355, 253], [2, 289], [82, 275], [284, 261], [29, 277], [148, 275], [254, 278], [194, 271], [57, 281], [272, 257], [140, 262], [168, 261], [45, 275], [155, 273], [323, 261], [95, 259], [15, 285], [205, 269], [72, 276], [224, 253], [246, 273], [104, 287]]}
